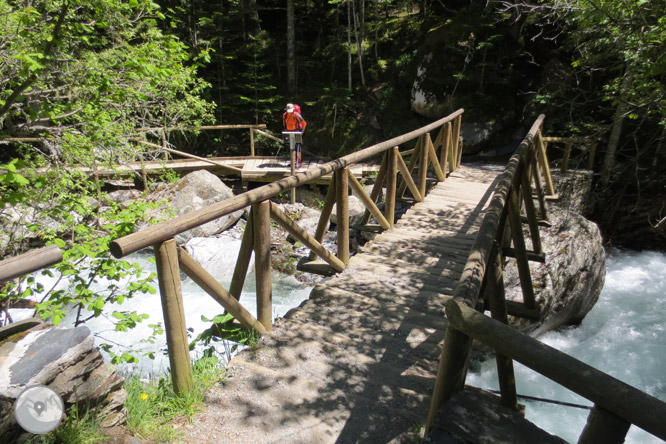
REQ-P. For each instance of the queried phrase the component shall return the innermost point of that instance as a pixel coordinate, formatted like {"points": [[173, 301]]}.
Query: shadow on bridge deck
{"points": [[357, 361]]}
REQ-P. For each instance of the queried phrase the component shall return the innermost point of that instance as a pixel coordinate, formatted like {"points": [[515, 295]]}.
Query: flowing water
{"points": [[623, 335], [218, 256]]}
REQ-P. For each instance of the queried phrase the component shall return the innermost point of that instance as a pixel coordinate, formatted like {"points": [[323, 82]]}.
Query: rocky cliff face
{"points": [[568, 284]]}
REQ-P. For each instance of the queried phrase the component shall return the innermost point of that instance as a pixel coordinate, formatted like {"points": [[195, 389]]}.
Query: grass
{"points": [[80, 427], [152, 408], [154, 405]]}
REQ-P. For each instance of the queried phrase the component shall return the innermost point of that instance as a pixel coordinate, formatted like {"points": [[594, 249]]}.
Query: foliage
{"points": [[84, 77], [224, 329], [88, 280], [152, 406]]}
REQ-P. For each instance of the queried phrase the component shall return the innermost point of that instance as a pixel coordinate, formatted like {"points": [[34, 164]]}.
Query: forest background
{"points": [[84, 81]]}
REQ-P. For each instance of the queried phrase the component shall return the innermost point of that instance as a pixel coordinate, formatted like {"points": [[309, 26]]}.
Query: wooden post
{"points": [[543, 161], [446, 146], [262, 262], [495, 296], [529, 209], [292, 156], [324, 217], [432, 157], [603, 426], [541, 197], [423, 165], [243, 261], [164, 146], [168, 277], [391, 183], [451, 372], [407, 179], [565, 158], [342, 203], [251, 142], [456, 141], [520, 250], [377, 187]]}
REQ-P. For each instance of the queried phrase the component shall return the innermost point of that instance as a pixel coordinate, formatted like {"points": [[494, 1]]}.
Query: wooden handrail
{"points": [[605, 391], [25, 263], [467, 291], [166, 230], [457, 346]]}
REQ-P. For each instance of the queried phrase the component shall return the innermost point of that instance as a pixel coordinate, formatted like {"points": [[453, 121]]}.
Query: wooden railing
{"points": [[254, 129], [586, 145], [25, 263], [171, 258], [481, 285]]}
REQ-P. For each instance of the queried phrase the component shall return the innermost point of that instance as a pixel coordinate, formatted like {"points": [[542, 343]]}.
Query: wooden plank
{"points": [[292, 228], [210, 285], [357, 188], [243, 260]]}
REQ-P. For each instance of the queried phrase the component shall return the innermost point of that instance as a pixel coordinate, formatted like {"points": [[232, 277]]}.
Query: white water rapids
{"points": [[623, 335]]}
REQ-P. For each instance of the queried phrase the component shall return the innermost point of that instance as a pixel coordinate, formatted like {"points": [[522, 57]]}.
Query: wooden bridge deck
{"points": [[252, 169], [357, 361]]}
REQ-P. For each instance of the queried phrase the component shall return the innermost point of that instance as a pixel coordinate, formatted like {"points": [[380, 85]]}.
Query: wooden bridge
{"points": [[382, 348]]}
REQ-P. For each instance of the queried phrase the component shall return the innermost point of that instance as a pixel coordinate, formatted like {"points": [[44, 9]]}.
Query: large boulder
{"points": [[356, 211], [570, 281], [196, 190], [66, 360]]}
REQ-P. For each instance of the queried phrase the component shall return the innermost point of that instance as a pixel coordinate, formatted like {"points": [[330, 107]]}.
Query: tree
{"points": [[82, 77]]}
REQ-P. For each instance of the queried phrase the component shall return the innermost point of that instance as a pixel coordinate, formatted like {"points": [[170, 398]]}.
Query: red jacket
{"points": [[293, 122]]}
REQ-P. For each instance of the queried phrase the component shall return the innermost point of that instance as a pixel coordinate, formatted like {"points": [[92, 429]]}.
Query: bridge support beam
{"points": [[168, 277], [262, 263], [342, 215]]}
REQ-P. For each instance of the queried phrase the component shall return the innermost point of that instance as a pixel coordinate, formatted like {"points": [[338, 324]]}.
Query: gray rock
{"points": [[477, 135], [194, 191], [569, 283], [356, 211], [67, 361]]}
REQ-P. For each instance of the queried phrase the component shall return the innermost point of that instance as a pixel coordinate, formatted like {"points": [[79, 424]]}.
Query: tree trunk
{"points": [[291, 48], [349, 54], [359, 34], [252, 14], [616, 130]]}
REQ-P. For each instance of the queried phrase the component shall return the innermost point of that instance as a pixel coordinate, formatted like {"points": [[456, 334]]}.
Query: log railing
{"points": [[481, 286], [25, 263], [586, 145], [254, 130], [171, 258]]}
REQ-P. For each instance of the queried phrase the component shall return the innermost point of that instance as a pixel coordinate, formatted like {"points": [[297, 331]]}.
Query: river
{"points": [[623, 336]]}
